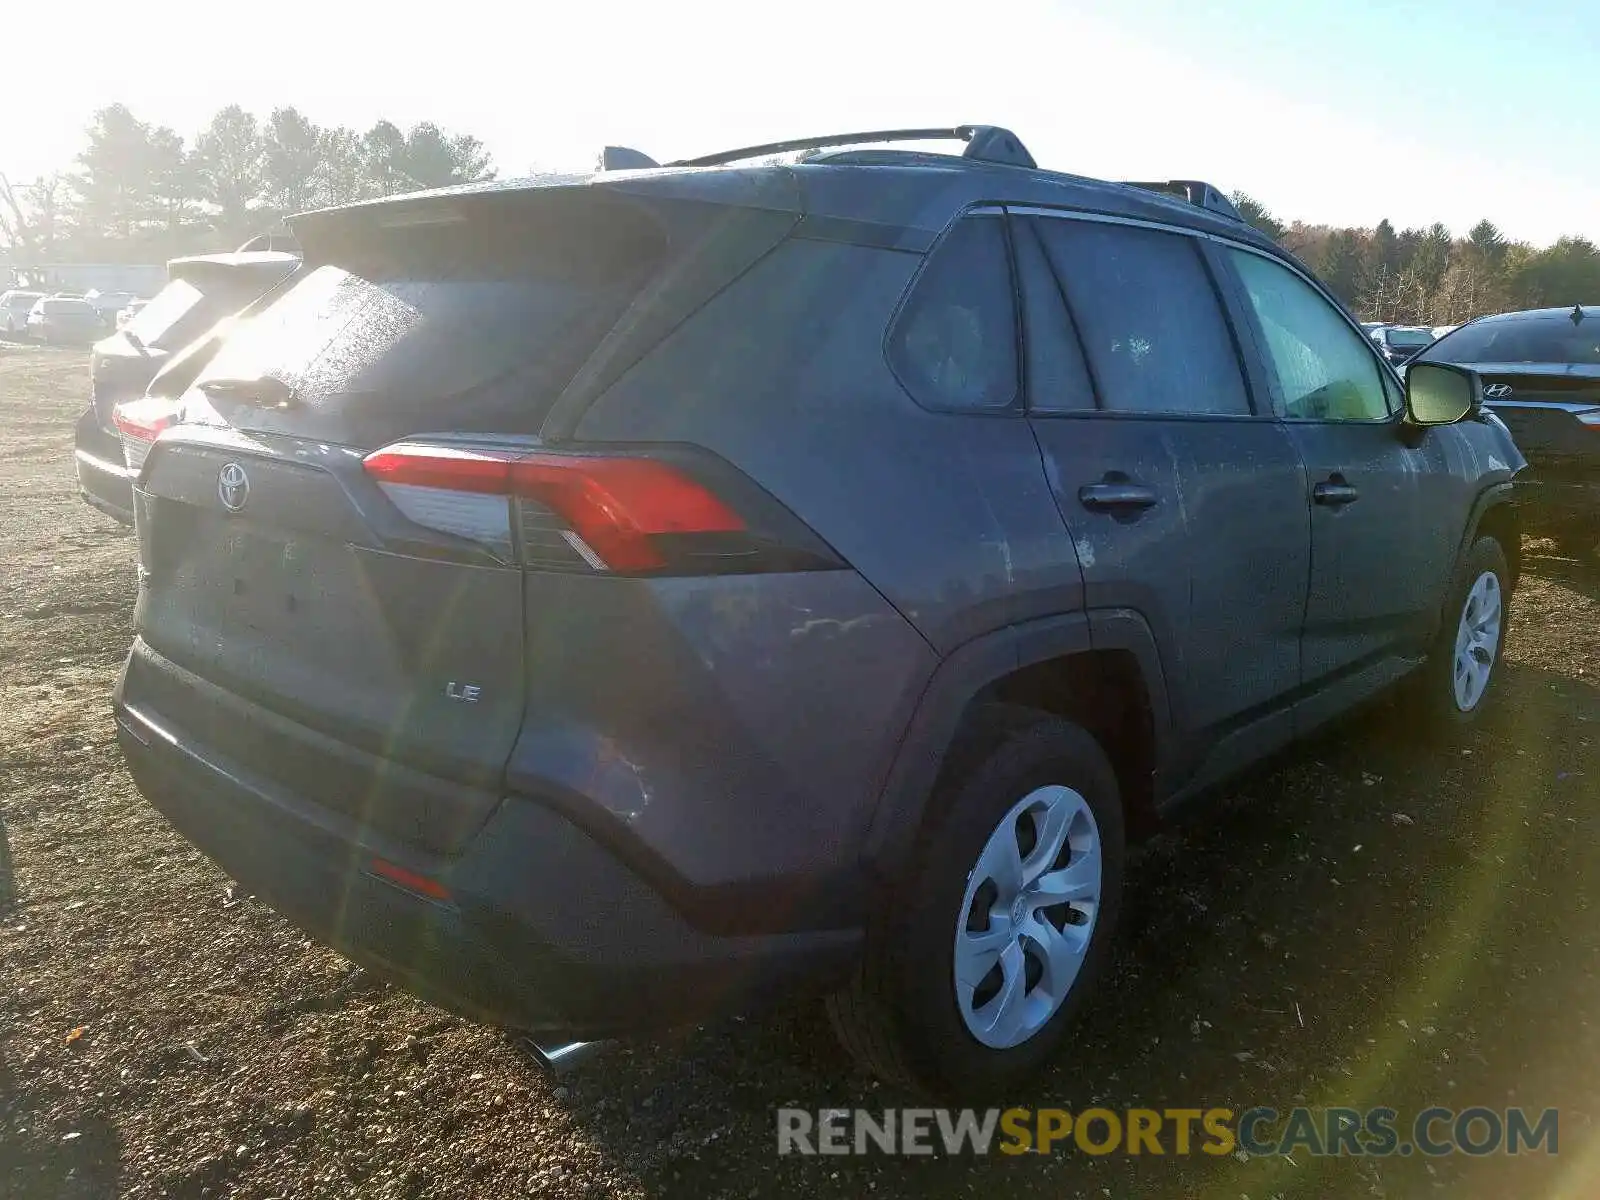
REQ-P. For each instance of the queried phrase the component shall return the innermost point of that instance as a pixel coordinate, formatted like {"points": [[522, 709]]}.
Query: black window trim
{"points": [[1246, 313], [1247, 374], [1096, 393], [1015, 407]]}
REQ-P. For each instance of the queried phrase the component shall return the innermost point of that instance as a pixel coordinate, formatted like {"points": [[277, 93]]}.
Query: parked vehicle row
{"points": [[61, 317], [1400, 342], [598, 605]]}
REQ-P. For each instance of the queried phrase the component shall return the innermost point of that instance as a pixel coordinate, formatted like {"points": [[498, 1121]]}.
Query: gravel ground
{"points": [[1375, 920]]}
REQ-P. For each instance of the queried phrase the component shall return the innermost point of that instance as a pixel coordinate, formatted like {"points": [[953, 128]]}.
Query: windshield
{"points": [[1553, 339]]}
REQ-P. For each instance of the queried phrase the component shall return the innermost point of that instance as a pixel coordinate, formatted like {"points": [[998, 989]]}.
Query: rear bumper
{"points": [[102, 476], [544, 929]]}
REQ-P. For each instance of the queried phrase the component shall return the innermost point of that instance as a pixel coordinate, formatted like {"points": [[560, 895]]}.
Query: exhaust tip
{"points": [[561, 1058]]}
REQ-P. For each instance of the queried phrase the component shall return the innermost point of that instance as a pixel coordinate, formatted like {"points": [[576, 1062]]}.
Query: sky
{"points": [[1335, 111]]}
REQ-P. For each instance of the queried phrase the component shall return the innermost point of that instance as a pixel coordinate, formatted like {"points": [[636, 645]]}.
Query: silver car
{"points": [[14, 309], [64, 319]]}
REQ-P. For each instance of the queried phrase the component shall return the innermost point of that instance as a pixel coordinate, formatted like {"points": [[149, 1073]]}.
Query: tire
{"points": [[900, 1015], [1445, 702]]}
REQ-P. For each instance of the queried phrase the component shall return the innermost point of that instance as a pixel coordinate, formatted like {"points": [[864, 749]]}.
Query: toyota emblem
{"points": [[1497, 391], [233, 487]]}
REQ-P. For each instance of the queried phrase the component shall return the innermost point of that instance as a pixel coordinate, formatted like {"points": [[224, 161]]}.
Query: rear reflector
{"points": [[613, 507], [410, 880]]}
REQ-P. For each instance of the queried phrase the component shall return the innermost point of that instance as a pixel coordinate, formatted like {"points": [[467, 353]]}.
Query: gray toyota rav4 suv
{"points": [[600, 603]]}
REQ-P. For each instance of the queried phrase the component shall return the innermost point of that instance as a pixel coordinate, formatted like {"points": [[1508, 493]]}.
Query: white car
{"points": [[14, 309]]}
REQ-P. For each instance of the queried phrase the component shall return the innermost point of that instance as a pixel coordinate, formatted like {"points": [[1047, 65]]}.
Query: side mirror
{"points": [[1440, 394]]}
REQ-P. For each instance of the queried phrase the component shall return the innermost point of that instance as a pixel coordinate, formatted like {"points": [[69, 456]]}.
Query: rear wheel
{"points": [[1462, 667], [976, 970]]}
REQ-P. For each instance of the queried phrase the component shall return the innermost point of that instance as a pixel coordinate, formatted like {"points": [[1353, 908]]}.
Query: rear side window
{"points": [[1326, 370], [1149, 317], [954, 345]]}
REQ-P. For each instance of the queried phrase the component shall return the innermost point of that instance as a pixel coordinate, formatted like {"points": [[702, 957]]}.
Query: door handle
{"points": [[1116, 497], [1335, 492]]}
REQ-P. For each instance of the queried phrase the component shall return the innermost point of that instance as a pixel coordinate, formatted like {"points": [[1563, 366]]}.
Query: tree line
{"points": [[139, 192], [1428, 277]]}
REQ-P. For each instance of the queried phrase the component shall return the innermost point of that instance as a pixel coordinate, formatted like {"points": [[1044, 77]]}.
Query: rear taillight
{"points": [[629, 513], [140, 422]]}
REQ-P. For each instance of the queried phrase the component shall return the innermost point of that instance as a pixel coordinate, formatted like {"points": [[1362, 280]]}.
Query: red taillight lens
{"points": [[144, 418], [140, 422], [618, 505], [613, 507]]}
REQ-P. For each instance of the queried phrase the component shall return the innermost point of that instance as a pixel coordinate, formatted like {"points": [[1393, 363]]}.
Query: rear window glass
{"points": [[1408, 339], [955, 343], [1534, 339], [1149, 317], [68, 307], [439, 327]]}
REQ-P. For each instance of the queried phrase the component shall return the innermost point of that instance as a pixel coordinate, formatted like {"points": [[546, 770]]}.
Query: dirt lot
{"points": [[1374, 922]]}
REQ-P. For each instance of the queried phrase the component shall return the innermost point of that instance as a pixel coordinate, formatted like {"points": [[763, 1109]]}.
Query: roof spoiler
{"points": [[1195, 192], [985, 143]]}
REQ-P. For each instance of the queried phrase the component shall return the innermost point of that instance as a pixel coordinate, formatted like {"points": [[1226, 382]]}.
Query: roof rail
{"points": [[1196, 192], [985, 143]]}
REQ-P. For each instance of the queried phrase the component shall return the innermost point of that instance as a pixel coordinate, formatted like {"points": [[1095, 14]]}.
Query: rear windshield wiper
{"points": [[267, 391]]}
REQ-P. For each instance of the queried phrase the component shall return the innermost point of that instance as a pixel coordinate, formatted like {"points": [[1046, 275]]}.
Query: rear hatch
{"points": [[337, 543], [122, 365], [1552, 410]]}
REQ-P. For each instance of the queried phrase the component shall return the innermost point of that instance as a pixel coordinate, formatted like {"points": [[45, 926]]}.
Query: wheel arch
{"points": [[1495, 512], [1060, 659]]}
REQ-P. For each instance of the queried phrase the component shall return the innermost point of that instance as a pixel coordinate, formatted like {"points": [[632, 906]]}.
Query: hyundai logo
{"points": [[233, 487], [1497, 391]]}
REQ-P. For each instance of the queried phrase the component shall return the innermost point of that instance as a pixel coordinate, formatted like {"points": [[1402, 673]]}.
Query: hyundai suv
{"points": [[1541, 375], [607, 602]]}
